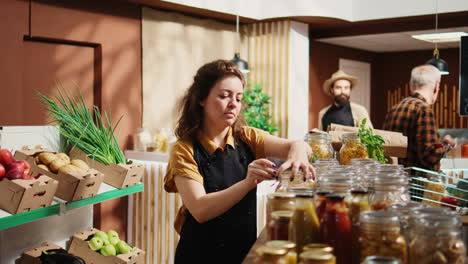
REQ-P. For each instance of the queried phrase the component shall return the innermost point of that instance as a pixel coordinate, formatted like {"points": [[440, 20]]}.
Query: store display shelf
{"points": [[106, 192]]}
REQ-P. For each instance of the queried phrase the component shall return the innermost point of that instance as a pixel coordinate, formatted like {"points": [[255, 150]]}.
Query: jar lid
{"points": [[379, 218], [405, 208], [317, 136], [335, 197], [270, 251], [302, 192], [359, 191], [349, 135], [281, 244], [323, 193], [433, 211], [437, 222], [381, 260], [281, 214], [314, 255], [362, 161], [391, 180], [318, 247], [280, 195], [325, 162]]}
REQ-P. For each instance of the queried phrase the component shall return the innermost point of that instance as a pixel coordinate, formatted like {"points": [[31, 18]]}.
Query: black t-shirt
{"points": [[338, 115]]}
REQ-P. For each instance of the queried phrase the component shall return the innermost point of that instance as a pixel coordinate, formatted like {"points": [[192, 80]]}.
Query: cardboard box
{"points": [[79, 247], [72, 186], [17, 196], [118, 175], [32, 256]]}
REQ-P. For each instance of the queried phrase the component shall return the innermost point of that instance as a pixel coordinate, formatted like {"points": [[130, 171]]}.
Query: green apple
{"points": [[108, 250], [102, 235], [123, 248], [113, 240], [112, 233], [95, 243]]}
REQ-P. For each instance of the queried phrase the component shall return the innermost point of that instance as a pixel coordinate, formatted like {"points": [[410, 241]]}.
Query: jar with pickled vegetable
{"points": [[388, 190], [380, 236], [321, 146], [438, 240], [279, 201], [352, 148], [340, 183], [278, 226], [291, 256], [381, 260], [321, 203], [335, 228], [313, 257], [304, 225], [270, 255]]}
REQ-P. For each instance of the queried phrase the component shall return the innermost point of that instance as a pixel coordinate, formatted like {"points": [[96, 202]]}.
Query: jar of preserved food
{"points": [[322, 165], [279, 201], [388, 190], [438, 240], [335, 228], [359, 203], [313, 257], [404, 211], [416, 215], [352, 149], [304, 225], [380, 235], [319, 247], [270, 255], [321, 203], [321, 146], [278, 226], [291, 256], [381, 260], [340, 183]]}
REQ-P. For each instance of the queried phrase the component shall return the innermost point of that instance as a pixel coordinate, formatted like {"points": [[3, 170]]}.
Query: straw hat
{"points": [[339, 75]]}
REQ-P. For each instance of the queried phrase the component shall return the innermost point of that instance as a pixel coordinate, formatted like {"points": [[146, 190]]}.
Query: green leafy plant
{"points": [[374, 143], [256, 111], [89, 133]]}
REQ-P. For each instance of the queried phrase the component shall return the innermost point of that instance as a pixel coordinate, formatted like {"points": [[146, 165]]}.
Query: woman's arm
{"points": [[296, 153], [204, 207]]}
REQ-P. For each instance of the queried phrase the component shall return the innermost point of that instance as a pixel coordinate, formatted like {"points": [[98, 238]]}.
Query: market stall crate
{"points": [[32, 256]]}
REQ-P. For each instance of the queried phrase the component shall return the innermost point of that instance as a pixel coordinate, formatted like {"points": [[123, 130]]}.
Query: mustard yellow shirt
{"points": [[182, 161]]}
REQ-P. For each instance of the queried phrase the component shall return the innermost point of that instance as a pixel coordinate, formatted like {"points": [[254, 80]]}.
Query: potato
{"points": [[47, 158], [44, 167], [56, 164], [63, 156], [80, 164], [69, 168], [37, 160]]}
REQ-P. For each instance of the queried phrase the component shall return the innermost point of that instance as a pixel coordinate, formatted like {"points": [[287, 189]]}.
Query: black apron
{"points": [[228, 237]]}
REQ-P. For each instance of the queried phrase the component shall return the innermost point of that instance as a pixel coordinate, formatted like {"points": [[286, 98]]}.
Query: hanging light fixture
{"points": [[436, 60], [241, 64]]}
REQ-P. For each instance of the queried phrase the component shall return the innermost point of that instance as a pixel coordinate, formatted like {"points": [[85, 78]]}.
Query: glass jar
{"points": [[270, 255], [278, 226], [321, 146], [337, 183], [388, 190], [438, 240], [142, 139], [284, 180], [291, 256], [359, 203], [380, 235], [404, 211], [279, 201], [321, 203], [319, 247], [335, 228], [313, 257], [381, 260], [299, 181], [304, 225], [352, 148], [322, 165], [416, 215]]}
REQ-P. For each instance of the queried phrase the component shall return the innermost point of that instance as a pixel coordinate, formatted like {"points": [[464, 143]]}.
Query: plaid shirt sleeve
{"points": [[429, 152]]}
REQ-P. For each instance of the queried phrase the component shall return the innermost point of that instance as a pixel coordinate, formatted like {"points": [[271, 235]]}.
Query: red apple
{"points": [[6, 158], [14, 174], [2, 171], [27, 167], [27, 177]]}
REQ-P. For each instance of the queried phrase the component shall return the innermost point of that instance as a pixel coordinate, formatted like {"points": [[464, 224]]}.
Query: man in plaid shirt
{"points": [[414, 117]]}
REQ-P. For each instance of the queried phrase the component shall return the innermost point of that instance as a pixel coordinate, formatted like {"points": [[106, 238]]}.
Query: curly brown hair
{"points": [[191, 117]]}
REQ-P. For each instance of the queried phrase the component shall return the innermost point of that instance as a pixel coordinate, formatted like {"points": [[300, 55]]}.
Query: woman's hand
{"points": [[298, 157], [260, 170]]}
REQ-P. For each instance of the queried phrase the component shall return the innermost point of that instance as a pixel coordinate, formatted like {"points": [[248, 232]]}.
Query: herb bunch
{"points": [[94, 136], [374, 143]]}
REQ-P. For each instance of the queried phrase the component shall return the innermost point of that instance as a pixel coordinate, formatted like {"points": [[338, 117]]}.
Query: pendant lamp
{"points": [[241, 64], [436, 61]]}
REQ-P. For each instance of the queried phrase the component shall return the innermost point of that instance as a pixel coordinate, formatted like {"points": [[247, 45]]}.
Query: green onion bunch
{"points": [[95, 137]]}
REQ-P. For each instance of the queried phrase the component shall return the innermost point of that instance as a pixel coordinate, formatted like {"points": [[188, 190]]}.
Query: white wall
{"points": [[298, 94]]}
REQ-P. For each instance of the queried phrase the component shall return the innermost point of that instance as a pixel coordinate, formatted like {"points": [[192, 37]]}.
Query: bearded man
{"points": [[342, 111]]}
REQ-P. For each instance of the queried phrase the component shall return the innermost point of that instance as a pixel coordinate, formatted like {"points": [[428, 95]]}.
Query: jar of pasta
{"points": [[352, 148], [387, 190], [313, 257], [291, 256], [279, 201], [278, 226], [438, 240], [321, 146], [270, 255], [380, 235]]}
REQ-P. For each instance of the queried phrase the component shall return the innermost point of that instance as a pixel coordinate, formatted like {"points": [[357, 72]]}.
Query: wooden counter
{"points": [[262, 238]]}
